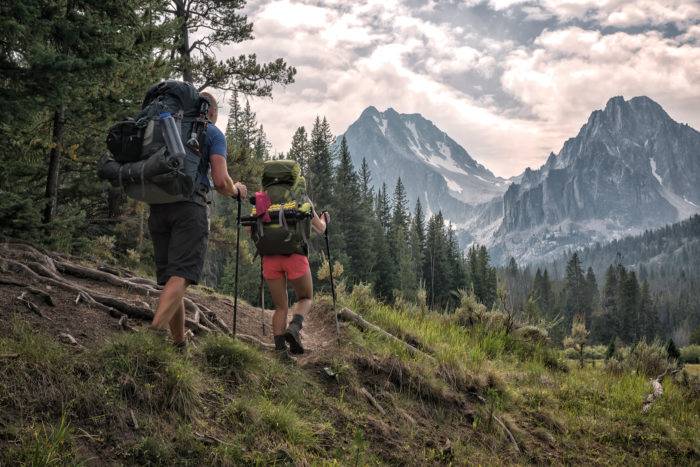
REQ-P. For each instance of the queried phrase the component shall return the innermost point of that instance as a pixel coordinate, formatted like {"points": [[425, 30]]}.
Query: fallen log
{"points": [[348, 315]]}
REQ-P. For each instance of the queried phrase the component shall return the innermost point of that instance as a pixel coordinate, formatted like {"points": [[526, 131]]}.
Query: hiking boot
{"points": [[293, 335]]}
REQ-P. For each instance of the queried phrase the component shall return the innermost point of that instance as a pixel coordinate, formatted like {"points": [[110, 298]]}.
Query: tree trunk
{"points": [[184, 49], [59, 121]]}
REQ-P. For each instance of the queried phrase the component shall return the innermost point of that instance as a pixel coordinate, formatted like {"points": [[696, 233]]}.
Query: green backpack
{"points": [[291, 211]]}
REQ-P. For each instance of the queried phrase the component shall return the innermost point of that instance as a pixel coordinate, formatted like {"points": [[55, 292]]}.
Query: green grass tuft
{"points": [[229, 357], [149, 371]]}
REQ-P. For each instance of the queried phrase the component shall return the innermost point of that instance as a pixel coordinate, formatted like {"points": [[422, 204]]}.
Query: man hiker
{"points": [[180, 231]]}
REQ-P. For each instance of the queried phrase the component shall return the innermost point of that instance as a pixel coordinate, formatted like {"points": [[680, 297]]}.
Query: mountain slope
{"points": [[631, 167], [430, 163], [119, 395]]}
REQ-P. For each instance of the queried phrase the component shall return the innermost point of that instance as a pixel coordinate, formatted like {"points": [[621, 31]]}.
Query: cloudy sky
{"points": [[509, 80]]}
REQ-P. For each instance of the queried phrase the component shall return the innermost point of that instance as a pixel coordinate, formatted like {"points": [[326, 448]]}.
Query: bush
{"points": [[470, 311], [590, 352], [646, 359], [690, 354]]}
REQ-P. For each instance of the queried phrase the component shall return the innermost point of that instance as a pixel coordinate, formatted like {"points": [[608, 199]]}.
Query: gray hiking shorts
{"points": [[180, 232]]}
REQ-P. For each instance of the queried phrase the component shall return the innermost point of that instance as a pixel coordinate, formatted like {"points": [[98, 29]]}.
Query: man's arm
{"points": [[222, 180]]}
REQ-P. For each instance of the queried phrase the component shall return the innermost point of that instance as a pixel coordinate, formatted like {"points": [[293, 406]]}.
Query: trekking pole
{"points": [[330, 274], [238, 257], [262, 297]]}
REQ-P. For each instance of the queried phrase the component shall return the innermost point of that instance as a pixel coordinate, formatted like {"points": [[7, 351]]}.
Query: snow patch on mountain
{"points": [[412, 128], [656, 175], [452, 185], [382, 123]]}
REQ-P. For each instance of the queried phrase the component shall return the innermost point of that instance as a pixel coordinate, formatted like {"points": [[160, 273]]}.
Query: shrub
{"points": [[643, 358], [470, 311], [690, 354], [362, 298]]}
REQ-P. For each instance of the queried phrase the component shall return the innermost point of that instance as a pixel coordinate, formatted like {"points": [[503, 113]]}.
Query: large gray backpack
{"points": [[138, 160]]}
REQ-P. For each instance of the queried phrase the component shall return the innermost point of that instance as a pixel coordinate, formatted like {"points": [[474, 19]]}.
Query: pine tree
{"points": [[366, 182], [261, 149], [234, 118], [576, 291], [216, 24], [399, 248], [435, 263], [321, 164], [400, 214], [647, 313], [417, 239], [383, 208], [578, 337], [300, 150]]}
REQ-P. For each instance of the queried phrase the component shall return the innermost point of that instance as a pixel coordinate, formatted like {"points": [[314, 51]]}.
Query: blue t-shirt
{"points": [[215, 143]]}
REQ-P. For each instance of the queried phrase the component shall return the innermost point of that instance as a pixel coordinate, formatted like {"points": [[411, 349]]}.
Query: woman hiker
{"points": [[277, 270]]}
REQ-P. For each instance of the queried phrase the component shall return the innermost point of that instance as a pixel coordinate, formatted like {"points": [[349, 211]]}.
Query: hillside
{"points": [[672, 250], [469, 388]]}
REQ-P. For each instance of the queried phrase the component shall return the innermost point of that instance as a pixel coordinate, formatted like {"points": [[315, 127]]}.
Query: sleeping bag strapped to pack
{"points": [[138, 160], [284, 227]]}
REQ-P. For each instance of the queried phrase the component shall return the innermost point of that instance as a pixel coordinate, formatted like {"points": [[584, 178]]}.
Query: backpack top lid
{"points": [[175, 95], [280, 172]]}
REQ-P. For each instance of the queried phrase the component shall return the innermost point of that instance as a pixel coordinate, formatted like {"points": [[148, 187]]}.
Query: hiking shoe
{"points": [[293, 335]]}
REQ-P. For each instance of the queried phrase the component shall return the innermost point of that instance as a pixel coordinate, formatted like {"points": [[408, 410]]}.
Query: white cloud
{"points": [[572, 71], [381, 53], [620, 13]]}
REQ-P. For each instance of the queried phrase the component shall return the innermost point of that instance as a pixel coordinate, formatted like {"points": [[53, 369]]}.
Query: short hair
{"points": [[210, 97], [213, 108]]}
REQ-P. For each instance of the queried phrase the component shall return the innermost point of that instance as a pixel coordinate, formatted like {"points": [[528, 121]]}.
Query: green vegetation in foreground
{"points": [[227, 403]]}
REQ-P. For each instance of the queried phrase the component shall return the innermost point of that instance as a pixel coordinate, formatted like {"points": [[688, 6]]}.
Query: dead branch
{"points": [[46, 298], [30, 304], [9, 355], [657, 390], [508, 432], [372, 400], [255, 341], [133, 420], [67, 338], [124, 324], [348, 315]]}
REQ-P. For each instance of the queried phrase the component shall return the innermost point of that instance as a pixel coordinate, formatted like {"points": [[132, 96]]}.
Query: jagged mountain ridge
{"points": [[631, 167], [432, 165]]}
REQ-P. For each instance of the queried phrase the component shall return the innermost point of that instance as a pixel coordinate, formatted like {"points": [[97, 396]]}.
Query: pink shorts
{"points": [[277, 266]]}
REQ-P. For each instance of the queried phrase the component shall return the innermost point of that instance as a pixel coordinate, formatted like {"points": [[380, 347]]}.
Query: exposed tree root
{"points": [[56, 271]]}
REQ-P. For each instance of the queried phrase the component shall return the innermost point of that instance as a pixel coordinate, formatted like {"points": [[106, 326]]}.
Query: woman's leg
{"points": [[304, 290], [278, 291], [303, 287]]}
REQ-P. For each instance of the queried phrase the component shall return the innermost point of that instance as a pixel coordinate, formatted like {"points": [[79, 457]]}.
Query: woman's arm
{"points": [[319, 223]]}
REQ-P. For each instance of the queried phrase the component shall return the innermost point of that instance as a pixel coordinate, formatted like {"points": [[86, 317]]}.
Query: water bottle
{"points": [[173, 140]]}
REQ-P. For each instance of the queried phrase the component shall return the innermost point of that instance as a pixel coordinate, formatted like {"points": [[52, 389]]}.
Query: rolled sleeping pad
{"points": [[158, 164]]}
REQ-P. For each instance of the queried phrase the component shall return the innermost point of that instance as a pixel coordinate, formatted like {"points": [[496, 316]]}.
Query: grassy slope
{"points": [[228, 404]]}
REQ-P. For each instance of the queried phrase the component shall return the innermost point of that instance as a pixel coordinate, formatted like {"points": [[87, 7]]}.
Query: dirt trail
{"points": [[89, 301]]}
